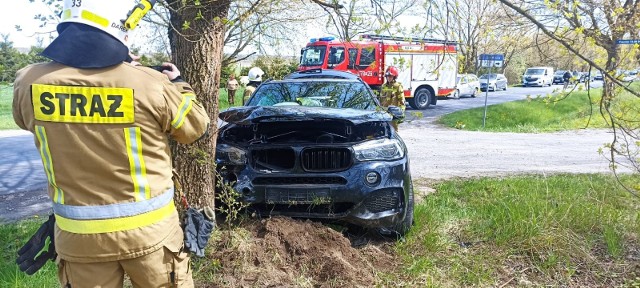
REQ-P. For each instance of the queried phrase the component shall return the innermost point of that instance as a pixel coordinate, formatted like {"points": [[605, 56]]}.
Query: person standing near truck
{"points": [[392, 93]]}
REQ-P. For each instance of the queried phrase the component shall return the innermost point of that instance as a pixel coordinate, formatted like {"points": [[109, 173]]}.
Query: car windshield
{"points": [[313, 56], [534, 72], [489, 76], [559, 72], [333, 94]]}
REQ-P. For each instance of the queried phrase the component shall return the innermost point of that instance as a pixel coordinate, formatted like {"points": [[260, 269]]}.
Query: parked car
{"points": [[493, 82], [558, 77], [538, 76], [318, 145], [597, 75], [467, 85], [577, 77]]}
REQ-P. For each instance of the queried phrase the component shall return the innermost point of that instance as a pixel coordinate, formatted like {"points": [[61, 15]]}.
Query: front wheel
{"points": [[402, 228], [422, 99], [456, 94]]}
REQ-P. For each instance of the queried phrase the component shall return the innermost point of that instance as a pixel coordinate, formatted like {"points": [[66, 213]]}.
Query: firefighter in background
{"points": [[255, 79], [101, 125], [392, 93]]}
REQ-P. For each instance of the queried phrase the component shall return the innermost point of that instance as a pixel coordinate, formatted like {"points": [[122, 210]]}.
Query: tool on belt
{"points": [[31, 257], [198, 223]]}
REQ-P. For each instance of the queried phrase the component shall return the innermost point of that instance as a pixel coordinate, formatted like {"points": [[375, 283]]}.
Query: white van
{"points": [[538, 76]]}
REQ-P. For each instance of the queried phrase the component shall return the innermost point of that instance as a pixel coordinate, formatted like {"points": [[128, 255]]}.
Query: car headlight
{"points": [[230, 155], [381, 149]]}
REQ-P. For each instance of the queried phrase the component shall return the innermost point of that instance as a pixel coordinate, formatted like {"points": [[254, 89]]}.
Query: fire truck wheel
{"points": [[422, 99]]}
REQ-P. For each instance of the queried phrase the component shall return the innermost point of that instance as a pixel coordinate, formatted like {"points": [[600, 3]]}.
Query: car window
{"points": [[333, 94], [336, 55], [535, 71], [488, 76], [313, 56], [367, 56], [473, 78]]}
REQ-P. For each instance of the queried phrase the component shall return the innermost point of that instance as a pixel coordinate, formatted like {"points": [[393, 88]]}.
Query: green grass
{"points": [[543, 114], [6, 116], [553, 230], [12, 237], [561, 230]]}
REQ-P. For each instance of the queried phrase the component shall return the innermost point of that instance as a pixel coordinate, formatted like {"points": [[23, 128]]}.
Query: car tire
{"points": [[456, 94], [476, 92], [422, 99], [505, 87], [401, 228]]}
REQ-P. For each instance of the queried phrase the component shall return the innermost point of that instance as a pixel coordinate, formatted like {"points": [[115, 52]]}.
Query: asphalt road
{"points": [[23, 181]]}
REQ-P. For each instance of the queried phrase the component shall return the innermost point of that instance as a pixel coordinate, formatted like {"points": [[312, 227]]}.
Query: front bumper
{"points": [[532, 82], [341, 196], [492, 86]]}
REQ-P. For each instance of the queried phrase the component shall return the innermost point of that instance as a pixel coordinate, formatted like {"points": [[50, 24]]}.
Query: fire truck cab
{"points": [[428, 67]]}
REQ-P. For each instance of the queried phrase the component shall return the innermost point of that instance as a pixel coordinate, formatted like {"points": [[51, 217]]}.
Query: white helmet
{"points": [[255, 74], [115, 17]]}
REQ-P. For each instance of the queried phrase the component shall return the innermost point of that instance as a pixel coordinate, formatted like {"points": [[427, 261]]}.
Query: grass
{"points": [[574, 230], [6, 97], [6, 116], [543, 114], [12, 237], [561, 230]]}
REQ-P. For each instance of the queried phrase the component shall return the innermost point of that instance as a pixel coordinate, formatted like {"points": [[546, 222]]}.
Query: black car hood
{"points": [[246, 115]]}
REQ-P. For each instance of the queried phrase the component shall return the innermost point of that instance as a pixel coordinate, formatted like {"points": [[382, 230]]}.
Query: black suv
{"points": [[318, 145]]}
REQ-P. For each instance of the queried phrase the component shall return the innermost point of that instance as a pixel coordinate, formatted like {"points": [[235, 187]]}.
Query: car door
{"points": [[464, 86], [504, 81]]}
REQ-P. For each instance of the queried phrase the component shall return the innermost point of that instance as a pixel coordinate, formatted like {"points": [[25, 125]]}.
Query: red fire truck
{"points": [[428, 67]]}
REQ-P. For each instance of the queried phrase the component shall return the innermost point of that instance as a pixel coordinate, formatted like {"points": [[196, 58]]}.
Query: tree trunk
{"points": [[197, 51]]}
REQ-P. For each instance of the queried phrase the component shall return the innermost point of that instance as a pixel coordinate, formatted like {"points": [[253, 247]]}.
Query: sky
{"points": [[21, 12]]}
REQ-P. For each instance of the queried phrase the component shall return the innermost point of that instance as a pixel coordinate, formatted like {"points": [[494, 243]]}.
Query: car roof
{"points": [[322, 74]]}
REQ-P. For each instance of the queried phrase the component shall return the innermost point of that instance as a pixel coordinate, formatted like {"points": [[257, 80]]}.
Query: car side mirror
{"points": [[396, 112]]}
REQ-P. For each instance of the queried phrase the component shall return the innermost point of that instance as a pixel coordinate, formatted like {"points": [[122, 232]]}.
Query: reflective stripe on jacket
{"points": [[103, 138]]}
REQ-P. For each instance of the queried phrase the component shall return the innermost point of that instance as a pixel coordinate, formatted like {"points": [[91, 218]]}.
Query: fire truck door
{"points": [[424, 67]]}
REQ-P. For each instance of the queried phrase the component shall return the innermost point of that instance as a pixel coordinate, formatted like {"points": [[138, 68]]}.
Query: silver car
{"points": [[493, 82], [467, 85]]}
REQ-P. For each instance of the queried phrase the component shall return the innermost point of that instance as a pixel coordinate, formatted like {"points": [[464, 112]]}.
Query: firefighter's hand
{"points": [[171, 71], [134, 59]]}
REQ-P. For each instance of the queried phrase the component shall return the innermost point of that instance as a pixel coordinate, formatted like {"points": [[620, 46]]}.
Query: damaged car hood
{"points": [[252, 114]]}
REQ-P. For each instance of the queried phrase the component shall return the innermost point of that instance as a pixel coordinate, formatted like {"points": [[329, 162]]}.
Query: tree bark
{"points": [[196, 39]]}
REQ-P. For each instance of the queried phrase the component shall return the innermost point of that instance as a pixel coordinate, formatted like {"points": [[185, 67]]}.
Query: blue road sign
{"points": [[491, 60], [628, 41], [492, 57]]}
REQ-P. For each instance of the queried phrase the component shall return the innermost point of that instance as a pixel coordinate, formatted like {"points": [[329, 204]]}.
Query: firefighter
{"points": [[392, 93], [255, 79], [101, 125]]}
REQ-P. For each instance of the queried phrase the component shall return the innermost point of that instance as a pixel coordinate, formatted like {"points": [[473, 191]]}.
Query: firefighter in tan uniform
{"points": [[255, 79], [392, 93], [102, 126]]}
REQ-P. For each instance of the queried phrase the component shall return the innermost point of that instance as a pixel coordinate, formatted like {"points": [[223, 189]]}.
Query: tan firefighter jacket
{"points": [[103, 138], [392, 94]]}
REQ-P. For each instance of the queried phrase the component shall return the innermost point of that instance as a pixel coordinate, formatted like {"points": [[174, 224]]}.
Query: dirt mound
{"points": [[283, 252]]}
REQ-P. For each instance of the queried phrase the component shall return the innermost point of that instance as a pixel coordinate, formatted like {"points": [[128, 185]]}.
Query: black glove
{"points": [[197, 229], [31, 257]]}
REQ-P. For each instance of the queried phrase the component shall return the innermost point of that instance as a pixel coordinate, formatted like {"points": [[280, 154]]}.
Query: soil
{"points": [[283, 252]]}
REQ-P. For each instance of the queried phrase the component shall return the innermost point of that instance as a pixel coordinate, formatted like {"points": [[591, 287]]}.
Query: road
{"points": [[23, 182]]}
